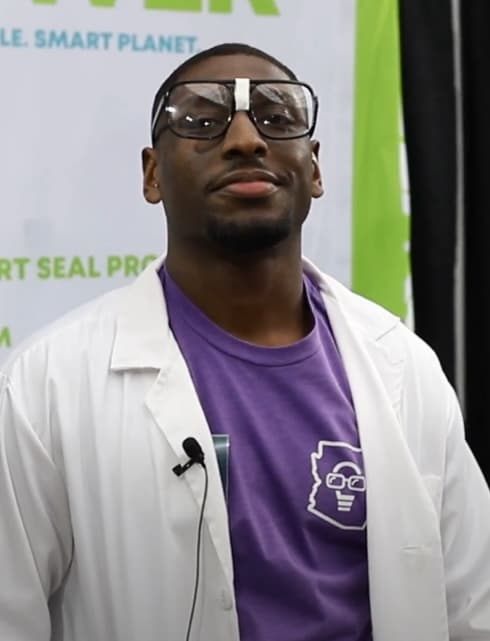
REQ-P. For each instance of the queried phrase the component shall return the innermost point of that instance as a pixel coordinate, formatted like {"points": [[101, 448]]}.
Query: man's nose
{"points": [[242, 138]]}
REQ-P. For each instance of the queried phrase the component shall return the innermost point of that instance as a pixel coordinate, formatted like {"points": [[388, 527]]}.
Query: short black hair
{"points": [[225, 49]]}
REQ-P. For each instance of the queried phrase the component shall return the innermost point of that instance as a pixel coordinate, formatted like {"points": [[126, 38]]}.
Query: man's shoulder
{"points": [[370, 318], [86, 339], [87, 328], [375, 324]]}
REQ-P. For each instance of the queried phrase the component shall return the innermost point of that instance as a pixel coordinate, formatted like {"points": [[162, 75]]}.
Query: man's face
{"points": [[240, 192]]}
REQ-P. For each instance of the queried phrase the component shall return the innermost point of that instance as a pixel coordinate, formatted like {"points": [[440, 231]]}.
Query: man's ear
{"points": [[151, 182], [317, 183]]}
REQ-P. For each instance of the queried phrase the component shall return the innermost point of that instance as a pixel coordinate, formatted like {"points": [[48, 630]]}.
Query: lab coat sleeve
{"points": [[35, 530], [465, 525]]}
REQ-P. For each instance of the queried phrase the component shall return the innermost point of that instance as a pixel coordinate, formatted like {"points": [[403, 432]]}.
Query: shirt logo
{"points": [[338, 494]]}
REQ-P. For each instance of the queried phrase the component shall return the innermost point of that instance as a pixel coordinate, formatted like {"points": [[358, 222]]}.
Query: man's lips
{"points": [[247, 184], [250, 189]]}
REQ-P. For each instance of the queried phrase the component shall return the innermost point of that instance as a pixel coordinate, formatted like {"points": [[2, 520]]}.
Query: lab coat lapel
{"points": [[144, 341], [405, 564], [176, 409]]}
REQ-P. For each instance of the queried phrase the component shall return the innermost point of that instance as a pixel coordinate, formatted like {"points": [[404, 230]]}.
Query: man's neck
{"points": [[257, 298]]}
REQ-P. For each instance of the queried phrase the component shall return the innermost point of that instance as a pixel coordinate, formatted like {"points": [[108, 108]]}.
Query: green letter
{"points": [[5, 337], [174, 5], [95, 3], [103, 3], [261, 7]]}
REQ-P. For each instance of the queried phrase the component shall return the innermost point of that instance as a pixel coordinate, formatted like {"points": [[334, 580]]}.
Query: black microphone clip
{"points": [[194, 452]]}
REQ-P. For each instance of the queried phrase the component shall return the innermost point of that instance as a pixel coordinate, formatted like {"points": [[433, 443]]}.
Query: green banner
{"points": [[380, 263]]}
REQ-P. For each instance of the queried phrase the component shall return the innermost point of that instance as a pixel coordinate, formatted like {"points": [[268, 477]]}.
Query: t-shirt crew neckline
{"points": [[236, 347]]}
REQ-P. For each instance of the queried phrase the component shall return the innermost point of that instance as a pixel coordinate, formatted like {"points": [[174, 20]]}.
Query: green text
{"points": [[260, 7], [5, 337]]}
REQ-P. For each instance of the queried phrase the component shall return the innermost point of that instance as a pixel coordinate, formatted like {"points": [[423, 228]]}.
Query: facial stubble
{"points": [[248, 236]]}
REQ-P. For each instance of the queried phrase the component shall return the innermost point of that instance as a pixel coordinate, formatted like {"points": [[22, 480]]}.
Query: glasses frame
{"points": [[230, 84], [346, 482]]}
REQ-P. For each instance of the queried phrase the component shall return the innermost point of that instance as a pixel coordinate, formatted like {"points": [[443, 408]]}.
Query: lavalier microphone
{"points": [[194, 452]]}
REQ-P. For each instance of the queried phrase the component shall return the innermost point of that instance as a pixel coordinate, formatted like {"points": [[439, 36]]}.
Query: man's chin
{"points": [[248, 236]]}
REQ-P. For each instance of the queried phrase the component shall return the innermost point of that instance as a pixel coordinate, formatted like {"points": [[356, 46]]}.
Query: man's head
{"points": [[233, 162]]}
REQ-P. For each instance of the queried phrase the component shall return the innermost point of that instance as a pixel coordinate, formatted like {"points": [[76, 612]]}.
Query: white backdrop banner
{"points": [[77, 82]]}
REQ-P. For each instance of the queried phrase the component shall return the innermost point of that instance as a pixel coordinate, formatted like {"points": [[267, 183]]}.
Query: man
{"points": [[354, 509]]}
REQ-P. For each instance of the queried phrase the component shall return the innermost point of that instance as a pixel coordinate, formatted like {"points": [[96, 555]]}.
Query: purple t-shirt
{"points": [[296, 500]]}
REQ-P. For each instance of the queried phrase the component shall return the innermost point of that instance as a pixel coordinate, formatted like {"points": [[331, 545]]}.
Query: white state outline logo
{"points": [[315, 457]]}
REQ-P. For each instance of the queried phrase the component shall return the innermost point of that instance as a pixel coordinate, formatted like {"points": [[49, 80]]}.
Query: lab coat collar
{"points": [[143, 337]]}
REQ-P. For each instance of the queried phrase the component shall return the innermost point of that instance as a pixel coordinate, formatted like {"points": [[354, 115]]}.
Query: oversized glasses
{"points": [[340, 482], [204, 109]]}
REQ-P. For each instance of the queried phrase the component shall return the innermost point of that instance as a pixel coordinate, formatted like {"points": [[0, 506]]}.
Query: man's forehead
{"points": [[233, 66]]}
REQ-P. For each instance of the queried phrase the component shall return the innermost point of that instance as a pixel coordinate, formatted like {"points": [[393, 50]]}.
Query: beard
{"points": [[249, 236]]}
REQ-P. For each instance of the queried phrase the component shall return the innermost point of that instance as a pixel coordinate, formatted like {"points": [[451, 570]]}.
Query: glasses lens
{"points": [[335, 481], [199, 110], [357, 484], [282, 110]]}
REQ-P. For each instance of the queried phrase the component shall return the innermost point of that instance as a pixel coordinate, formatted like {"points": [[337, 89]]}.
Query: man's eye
{"points": [[199, 122], [277, 119]]}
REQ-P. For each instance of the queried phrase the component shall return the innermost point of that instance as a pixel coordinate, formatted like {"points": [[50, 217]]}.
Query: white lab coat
{"points": [[98, 536]]}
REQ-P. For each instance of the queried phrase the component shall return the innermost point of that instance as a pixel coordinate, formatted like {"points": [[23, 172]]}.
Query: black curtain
{"points": [[475, 25], [428, 82], [429, 110]]}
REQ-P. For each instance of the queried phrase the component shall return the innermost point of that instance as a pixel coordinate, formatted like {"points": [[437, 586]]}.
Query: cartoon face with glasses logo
{"points": [[337, 481], [338, 494]]}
